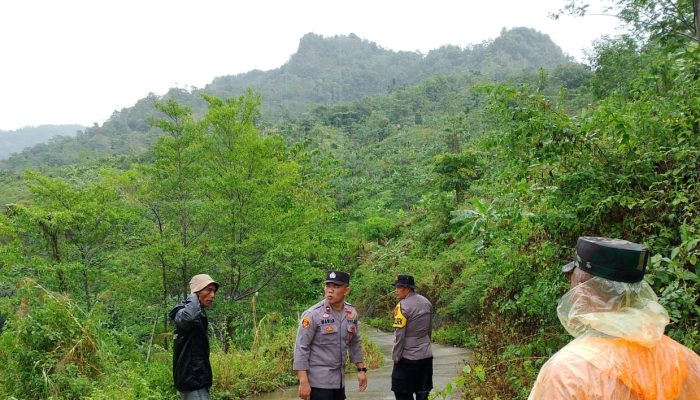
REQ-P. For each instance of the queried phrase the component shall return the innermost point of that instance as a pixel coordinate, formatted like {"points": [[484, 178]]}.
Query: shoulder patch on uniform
{"points": [[305, 322], [399, 318]]}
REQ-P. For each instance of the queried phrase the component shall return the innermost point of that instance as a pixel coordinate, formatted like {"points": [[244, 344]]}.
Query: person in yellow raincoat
{"points": [[620, 351]]}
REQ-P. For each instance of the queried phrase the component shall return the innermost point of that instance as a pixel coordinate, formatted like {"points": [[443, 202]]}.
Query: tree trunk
{"points": [[52, 238], [696, 14], [184, 267], [62, 286], [86, 287], [86, 276], [458, 193]]}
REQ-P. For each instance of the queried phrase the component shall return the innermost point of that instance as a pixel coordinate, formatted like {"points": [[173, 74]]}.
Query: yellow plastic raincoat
{"points": [[620, 351]]}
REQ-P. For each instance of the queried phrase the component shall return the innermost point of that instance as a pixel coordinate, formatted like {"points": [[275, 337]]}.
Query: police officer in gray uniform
{"points": [[327, 331], [412, 354]]}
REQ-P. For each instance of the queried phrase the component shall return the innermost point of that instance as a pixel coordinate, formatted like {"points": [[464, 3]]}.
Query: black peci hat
{"points": [[404, 280], [613, 259], [338, 277]]}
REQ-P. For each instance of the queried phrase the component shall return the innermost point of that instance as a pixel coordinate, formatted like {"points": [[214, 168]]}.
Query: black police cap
{"points": [[338, 277], [614, 259], [404, 280]]}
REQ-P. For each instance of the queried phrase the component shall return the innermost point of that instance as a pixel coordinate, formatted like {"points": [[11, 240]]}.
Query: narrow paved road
{"points": [[447, 364]]}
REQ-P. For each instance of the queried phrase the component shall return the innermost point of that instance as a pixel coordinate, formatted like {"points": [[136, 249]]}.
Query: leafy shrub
{"points": [[136, 380], [49, 347], [376, 228], [456, 335]]}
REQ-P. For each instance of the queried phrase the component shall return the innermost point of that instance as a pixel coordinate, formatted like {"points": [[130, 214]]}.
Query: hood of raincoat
{"points": [[601, 307]]}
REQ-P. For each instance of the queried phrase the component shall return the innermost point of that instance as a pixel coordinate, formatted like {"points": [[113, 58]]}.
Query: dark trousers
{"points": [[409, 396], [327, 394], [412, 376]]}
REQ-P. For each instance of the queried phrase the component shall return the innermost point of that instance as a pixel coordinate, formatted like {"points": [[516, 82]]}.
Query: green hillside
{"points": [[343, 68]]}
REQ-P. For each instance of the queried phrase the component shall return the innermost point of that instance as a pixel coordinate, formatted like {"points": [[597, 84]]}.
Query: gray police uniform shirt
{"points": [[323, 338], [413, 326]]}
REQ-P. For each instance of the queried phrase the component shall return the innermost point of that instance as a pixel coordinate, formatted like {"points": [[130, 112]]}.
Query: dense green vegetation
{"points": [[475, 170]]}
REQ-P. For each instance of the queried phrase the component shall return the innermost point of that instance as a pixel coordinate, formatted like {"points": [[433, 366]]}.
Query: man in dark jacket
{"points": [[191, 367]]}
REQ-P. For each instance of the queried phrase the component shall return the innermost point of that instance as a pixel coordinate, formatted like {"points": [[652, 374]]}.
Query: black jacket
{"points": [[191, 367]]}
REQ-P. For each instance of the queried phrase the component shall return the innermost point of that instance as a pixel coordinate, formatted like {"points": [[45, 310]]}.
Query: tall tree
{"points": [[177, 203], [75, 224], [263, 208], [253, 185]]}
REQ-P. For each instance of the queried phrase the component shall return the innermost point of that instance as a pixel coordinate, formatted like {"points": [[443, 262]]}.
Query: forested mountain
{"points": [[341, 68], [322, 71], [17, 140]]}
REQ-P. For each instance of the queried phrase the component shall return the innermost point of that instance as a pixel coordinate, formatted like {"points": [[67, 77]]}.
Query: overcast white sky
{"points": [[76, 61]]}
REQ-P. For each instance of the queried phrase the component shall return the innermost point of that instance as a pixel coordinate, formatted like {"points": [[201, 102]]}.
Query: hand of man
{"points": [[362, 380], [304, 391]]}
